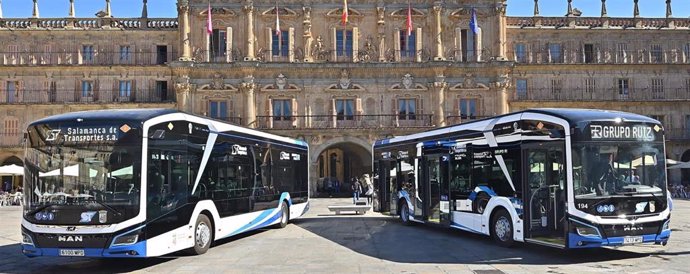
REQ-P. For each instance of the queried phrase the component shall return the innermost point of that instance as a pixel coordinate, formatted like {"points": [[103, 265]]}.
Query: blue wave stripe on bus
{"points": [[459, 226], [264, 214]]}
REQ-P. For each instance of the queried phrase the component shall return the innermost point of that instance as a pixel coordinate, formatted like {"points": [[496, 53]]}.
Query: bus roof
{"points": [[574, 116], [110, 114]]}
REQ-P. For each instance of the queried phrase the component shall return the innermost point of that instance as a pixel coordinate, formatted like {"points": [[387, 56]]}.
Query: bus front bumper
{"points": [[577, 241], [137, 250]]}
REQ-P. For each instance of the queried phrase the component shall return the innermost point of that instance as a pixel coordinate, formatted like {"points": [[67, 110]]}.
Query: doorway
{"points": [[436, 190]]}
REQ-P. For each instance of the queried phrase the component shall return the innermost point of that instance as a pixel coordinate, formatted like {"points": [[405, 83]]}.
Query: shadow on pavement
{"points": [[388, 239]]}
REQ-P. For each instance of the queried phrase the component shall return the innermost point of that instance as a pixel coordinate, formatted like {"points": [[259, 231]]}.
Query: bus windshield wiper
{"points": [[108, 207]]}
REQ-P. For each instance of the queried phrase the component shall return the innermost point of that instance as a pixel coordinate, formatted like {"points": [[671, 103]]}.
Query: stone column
{"points": [[381, 22], [247, 87], [439, 41], [72, 13], [35, 10], [145, 10], [502, 36], [108, 11], [502, 86], [249, 10], [307, 35], [185, 35], [440, 86], [183, 92]]}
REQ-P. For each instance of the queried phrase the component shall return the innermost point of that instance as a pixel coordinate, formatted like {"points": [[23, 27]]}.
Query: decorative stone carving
{"points": [[407, 81], [469, 81], [281, 82], [345, 80], [248, 84], [381, 13], [319, 50], [217, 82], [307, 14], [368, 52], [182, 83]]}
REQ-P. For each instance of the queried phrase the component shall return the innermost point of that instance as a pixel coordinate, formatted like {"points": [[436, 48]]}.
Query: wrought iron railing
{"points": [[33, 57], [100, 96], [602, 56], [608, 94], [344, 121]]}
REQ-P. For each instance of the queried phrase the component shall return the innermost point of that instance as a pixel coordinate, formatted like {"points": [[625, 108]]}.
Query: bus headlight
{"points": [[128, 238], [667, 225], [26, 239], [586, 231]]}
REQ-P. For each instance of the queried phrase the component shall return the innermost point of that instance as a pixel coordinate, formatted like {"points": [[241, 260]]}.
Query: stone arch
{"points": [[12, 160], [685, 172], [317, 150], [345, 157]]}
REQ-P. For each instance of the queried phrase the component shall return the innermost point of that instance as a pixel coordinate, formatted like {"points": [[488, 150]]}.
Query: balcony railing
{"points": [[94, 97], [459, 119], [602, 56], [677, 134], [344, 121], [89, 23], [610, 94], [11, 139], [598, 22], [95, 58]]}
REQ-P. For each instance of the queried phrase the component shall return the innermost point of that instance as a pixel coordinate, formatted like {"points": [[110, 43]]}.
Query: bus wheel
{"points": [[203, 235], [284, 216], [405, 214], [480, 202], [502, 228]]}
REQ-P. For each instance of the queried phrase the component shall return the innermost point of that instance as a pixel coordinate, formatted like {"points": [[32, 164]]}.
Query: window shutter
{"points": [[96, 89], [133, 97], [396, 42], [80, 54], [419, 38], [295, 112], [269, 112], [77, 90], [420, 106], [355, 44], [228, 44], [334, 39], [19, 91], [115, 93], [269, 45], [291, 45], [478, 44], [358, 106], [456, 106], [231, 109]]}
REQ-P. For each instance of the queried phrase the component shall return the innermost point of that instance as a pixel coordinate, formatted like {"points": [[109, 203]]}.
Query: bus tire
{"points": [[502, 228], [481, 202], [203, 235], [284, 216], [405, 213]]}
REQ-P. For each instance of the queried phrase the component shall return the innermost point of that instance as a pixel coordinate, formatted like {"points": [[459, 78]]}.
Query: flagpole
{"points": [[209, 33]]}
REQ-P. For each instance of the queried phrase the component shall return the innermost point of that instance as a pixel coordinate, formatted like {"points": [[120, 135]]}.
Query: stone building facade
{"points": [[341, 86]]}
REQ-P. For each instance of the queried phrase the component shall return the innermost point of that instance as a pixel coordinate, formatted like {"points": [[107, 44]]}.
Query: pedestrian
{"points": [[370, 189], [356, 189]]}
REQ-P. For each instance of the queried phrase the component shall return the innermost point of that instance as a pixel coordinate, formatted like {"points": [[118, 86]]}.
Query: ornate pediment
{"points": [[282, 11], [466, 12], [217, 83], [403, 13], [218, 11], [339, 12], [469, 83], [407, 84], [345, 83], [281, 84]]}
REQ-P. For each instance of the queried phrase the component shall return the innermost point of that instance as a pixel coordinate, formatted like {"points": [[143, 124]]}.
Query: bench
{"points": [[358, 209]]}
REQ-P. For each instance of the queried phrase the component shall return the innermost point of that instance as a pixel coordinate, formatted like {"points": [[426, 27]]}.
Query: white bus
{"points": [[144, 183], [567, 178]]}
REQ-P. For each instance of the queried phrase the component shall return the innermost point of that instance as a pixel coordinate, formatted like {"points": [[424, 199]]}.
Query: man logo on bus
{"points": [[53, 134]]}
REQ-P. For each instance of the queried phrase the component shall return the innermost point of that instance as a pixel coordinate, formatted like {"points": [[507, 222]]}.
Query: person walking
{"points": [[369, 187], [356, 189]]}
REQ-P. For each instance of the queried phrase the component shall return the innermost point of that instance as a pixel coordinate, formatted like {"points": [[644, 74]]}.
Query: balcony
{"points": [[610, 94], [94, 97], [602, 56], [344, 121], [11, 139], [677, 134], [89, 23], [598, 22], [29, 57]]}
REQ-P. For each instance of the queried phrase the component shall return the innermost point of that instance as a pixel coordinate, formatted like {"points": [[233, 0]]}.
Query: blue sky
{"points": [[166, 8]]}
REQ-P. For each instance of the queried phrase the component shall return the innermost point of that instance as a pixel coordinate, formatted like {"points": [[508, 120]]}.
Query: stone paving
{"points": [[321, 242]]}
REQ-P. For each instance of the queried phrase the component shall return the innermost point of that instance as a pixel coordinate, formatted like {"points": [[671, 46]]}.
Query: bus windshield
{"points": [[629, 169], [81, 182]]}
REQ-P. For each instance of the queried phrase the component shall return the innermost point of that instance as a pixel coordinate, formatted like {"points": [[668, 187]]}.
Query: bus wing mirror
{"points": [[158, 135]]}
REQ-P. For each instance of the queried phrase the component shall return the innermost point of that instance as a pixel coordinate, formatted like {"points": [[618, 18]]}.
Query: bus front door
{"points": [[544, 187], [437, 189]]}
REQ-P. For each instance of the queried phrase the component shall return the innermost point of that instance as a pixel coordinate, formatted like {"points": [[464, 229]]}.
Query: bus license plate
{"points": [[632, 240], [72, 252]]}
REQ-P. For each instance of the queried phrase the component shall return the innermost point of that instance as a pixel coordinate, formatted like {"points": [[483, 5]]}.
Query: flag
{"points": [[209, 25], [277, 20], [473, 22], [345, 13], [409, 19]]}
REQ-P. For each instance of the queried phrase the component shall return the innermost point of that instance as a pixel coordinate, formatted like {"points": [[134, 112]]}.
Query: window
{"points": [[556, 86], [11, 127], [687, 85], [555, 53], [345, 109], [12, 91], [590, 85], [468, 108], [218, 109], [52, 91], [521, 88], [467, 38], [86, 88], [589, 53], [343, 40], [657, 88], [657, 54], [623, 88], [87, 53], [161, 55], [282, 109], [407, 108], [520, 53], [408, 44], [622, 53], [125, 88], [125, 53], [280, 43], [686, 53], [162, 90], [218, 43]]}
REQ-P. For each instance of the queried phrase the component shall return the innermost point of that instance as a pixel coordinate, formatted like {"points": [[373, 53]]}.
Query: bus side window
{"points": [[460, 187]]}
